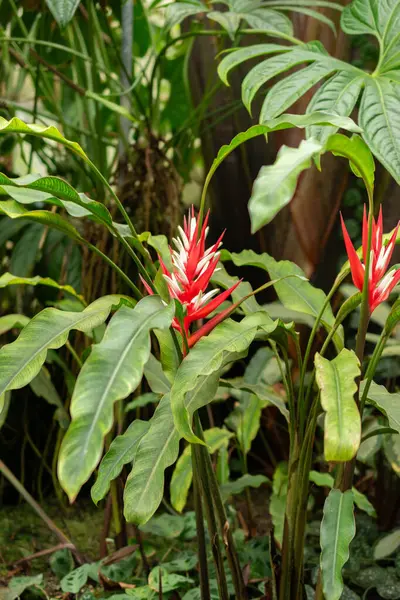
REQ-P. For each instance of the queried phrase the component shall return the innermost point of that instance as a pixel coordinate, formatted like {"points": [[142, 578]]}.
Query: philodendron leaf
{"points": [[337, 531], [21, 360], [157, 450], [229, 341], [181, 481], [275, 184], [336, 381], [121, 452], [63, 10], [388, 404], [112, 372], [295, 293]]}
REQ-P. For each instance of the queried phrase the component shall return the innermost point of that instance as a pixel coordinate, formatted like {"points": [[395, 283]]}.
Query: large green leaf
{"points": [[338, 95], [121, 452], [387, 403], [181, 480], [178, 11], [63, 10], [276, 184], [156, 378], [35, 188], [232, 488], [295, 293], [9, 279], [232, 59], [336, 381], [283, 122], [21, 360], [286, 92], [50, 132], [112, 372], [361, 501], [13, 210], [337, 531], [157, 450], [359, 155], [229, 341], [12, 321], [380, 120]]}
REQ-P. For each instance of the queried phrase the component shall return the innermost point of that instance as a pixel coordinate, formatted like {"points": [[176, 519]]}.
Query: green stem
{"points": [[225, 531], [114, 266], [211, 523], [201, 539]]}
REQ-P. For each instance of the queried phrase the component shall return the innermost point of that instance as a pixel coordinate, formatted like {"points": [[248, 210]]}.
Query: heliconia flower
{"points": [[380, 283], [193, 267]]}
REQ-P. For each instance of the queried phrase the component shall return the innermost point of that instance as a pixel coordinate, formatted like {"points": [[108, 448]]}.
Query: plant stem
{"points": [[225, 531], [212, 525], [201, 539]]}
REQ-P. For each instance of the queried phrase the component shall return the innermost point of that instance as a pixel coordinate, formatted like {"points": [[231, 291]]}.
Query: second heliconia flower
{"points": [[380, 283], [193, 267]]}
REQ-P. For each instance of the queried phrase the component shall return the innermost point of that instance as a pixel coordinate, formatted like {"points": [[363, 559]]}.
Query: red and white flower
{"points": [[193, 267], [380, 283]]}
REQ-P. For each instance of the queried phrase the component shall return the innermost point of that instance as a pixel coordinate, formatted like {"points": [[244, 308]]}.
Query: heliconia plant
{"points": [[171, 299]]}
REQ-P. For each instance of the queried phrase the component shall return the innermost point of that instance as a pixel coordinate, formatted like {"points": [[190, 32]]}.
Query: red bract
{"points": [[379, 284], [193, 267]]}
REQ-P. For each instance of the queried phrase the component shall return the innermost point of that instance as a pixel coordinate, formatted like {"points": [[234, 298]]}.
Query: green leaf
{"points": [[15, 125], [61, 562], [245, 421], [379, 119], [228, 20], [35, 188], [142, 400], [269, 20], [4, 406], [283, 122], [157, 450], [121, 452], [9, 279], [155, 376], [74, 581], [112, 372], [237, 487], [286, 92], [170, 581], [63, 10], [336, 381], [21, 360], [178, 11], [44, 217], [361, 501], [388, 404], [12, 321], [337, 95], [18, 585], [337, 531], [165, 526], [275, 184], [387, 545], [294, 293], [181, 481], [43, 387], [359, 155], [237, 57], [229, 341], [267, 70], [277, 503], [391, 446]]}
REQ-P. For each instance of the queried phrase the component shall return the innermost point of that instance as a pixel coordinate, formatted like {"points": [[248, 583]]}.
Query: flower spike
{"points": [[193, 267], [379, 284]]}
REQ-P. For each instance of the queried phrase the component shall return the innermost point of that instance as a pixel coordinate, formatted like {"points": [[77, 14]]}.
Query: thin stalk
{"points": [[226, 533], [212, 525], [112, 264], [74, 354], [201, 538]]}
